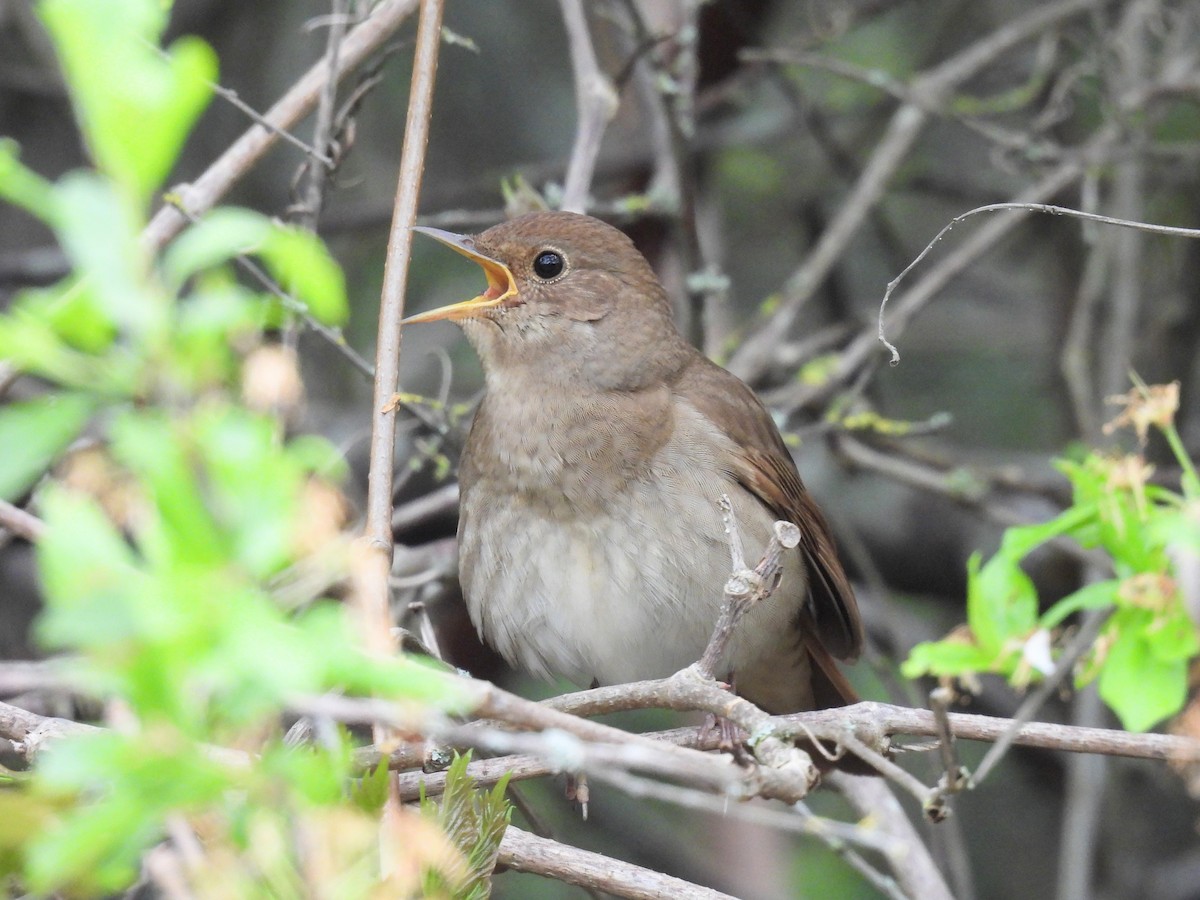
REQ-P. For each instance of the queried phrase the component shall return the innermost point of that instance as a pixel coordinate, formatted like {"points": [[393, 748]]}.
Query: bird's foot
{"points": [[578, 793], [730, 738]]}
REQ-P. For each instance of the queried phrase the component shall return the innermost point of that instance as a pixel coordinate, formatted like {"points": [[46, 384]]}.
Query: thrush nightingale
{"points": [[590, 535]]}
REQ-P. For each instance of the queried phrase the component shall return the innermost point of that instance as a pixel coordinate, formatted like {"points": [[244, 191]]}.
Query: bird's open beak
{"points": [[501, 289]]}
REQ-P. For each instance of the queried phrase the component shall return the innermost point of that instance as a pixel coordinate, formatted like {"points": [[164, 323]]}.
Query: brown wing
{"points": [[765, 467]]}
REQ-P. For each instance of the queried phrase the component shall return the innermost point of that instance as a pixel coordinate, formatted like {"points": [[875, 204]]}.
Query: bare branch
{"points": [[596, 102], [20, 522], [862, 348], [844, 839], [374, 559], [1079, 645], [203, 193], [746, 587], [378, 532], [918, 876], [954, 777], [754, 357], [318, 168], [31, 733], [525, 852], [1024, 207]]}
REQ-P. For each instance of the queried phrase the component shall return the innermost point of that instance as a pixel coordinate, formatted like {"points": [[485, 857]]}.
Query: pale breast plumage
{"points": [[559, 594]]}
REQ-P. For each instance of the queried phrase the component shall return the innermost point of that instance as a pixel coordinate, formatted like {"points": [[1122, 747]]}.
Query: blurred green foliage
{"points": [[475, 822], [165, 535], [1141, 657]]}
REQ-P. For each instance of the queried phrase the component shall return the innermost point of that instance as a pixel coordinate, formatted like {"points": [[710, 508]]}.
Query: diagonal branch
{"points": [[930, 91], [203, 193]]}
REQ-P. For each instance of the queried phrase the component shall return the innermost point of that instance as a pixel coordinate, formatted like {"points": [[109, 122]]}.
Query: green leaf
{"points": [[1020, 541], [34, 433], [256, 659], [297, 259], [1179, 527], [475, 822], [317, 772], [370, 791], [22, 813], [184, 531], [21, 186], [221, 235], [45, 330], [29, 342], [317, 455], [254, 486], [1092, 596], [131, 783], [76, 316], [95, 851], [135, 104], [1141, 688], [89, 573], [1172, 635], [946, 657], [1120, 520], [406, 677], [218, 317], [1001, 602], [99, 234], [302, 265]]}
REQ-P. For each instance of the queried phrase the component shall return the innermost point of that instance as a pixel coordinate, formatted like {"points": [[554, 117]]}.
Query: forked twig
{"points": [[746, 587]]}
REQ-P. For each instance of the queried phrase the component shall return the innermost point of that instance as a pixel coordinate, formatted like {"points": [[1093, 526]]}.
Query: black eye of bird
{"points": [[548, 264]]}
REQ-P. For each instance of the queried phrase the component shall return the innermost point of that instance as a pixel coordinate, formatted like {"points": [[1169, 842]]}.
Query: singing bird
{"points": [[591, 541]]}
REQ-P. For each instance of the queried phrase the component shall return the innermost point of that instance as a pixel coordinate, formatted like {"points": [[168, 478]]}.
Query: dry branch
{"points": [[202, 194], [525, 852], [928, 92], [595, 102]]}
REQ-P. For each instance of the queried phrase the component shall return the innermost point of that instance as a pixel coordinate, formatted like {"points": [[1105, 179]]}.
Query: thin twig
{"points": [[953, 776], [595, 102], [1129, 196], [330, 335], [20, 522], [746, 587], [1063, 667], [525, 852], [203, 193], [318, 170], [1023, 207], [231, 97], [967, 486], [866, 345], [870, 798], [806, 823], [387, 363], [371, 593], [1080, 345], [934, 87], [1083, 802]]}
